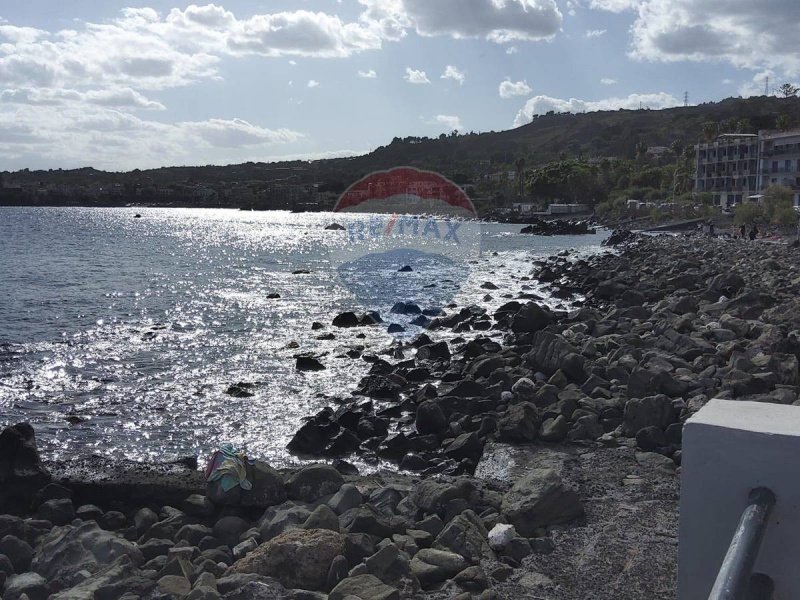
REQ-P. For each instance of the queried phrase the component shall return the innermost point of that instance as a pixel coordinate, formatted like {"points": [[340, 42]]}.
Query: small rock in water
{"points": [[308, 363], [405, 269], [239, 390]]}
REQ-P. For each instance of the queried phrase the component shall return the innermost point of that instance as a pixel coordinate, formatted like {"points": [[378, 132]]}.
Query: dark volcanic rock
{"points": [[539, 499], [21, 471]]}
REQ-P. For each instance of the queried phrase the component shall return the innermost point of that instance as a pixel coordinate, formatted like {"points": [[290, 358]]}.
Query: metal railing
{"points": [[736, 580]]}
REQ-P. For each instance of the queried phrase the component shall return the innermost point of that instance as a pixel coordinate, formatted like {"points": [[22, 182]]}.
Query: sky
{"points": [[128, 84]]}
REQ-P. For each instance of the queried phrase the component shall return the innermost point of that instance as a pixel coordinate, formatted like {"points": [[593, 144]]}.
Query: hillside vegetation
{"points": [[620, 137]]}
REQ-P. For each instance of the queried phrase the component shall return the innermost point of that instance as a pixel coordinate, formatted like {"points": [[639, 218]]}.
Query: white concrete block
{"points": [[729, 448]]}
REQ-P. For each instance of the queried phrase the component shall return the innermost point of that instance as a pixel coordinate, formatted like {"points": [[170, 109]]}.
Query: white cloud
{"points": [[452, 122], [752, 35], [593, 33], [143, 49], [117, 98], [512, 50], [415, 76], [539, 105], [509, 89], [81, 133], [616, 6], [371, 74], [608, 81], [312, 83], [496, 20], [454, 73]]}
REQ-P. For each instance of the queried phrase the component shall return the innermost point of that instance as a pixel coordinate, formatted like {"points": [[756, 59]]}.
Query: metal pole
{"points": [[737, 566]]}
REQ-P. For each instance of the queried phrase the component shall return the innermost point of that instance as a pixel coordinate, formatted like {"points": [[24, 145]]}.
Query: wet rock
{"points": [[530, 319], [314, 481], [430, 418], [298, 558], [240, 390], [435, 351], [22, 474], [539, 499], [308, 363], [346, 319], [335, 227]]}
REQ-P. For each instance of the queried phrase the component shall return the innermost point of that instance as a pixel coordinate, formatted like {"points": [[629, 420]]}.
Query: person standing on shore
{"points": [[753, 232], [743, 231]]}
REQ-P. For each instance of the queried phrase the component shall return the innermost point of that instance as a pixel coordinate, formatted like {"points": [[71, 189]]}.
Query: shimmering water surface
{"points": [[119, 336]]}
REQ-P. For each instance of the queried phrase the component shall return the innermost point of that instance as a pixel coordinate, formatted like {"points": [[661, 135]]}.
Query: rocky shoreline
{"points": [[542, 465]]}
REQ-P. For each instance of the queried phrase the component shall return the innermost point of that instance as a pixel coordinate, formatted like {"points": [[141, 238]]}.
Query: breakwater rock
{"points": [[663, 326]]}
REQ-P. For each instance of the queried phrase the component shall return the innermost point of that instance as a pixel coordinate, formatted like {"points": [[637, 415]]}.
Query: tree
{"points": [[783, 122], [747, 213], [520, 165], [710, 130], [787, 90], [778, 203]]}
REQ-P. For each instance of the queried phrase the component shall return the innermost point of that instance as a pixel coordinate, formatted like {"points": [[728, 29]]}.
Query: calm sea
{"points": [[120, 336]]}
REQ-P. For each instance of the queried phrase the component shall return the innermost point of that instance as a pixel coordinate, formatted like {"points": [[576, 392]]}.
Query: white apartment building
{"points": [[779, 160], [737, 167]]}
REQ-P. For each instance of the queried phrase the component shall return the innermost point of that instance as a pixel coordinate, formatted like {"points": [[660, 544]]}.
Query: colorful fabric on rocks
{"points": [[229, 466]]}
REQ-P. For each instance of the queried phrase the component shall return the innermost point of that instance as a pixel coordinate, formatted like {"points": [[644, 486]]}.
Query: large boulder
{"points": [[552, 352], [299, 558], [267, 489], [21, 471], [65, 551], [538, 499], [430, 418], [110, 576], [519, 423], [650, 411], [391, 566], [363, 587], [313, 482], [530, 319], [29, 585], [465, 535], [432, 566]]}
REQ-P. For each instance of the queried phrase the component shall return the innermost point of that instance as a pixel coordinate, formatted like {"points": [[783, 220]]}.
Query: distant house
{"points": [[656, 151]]}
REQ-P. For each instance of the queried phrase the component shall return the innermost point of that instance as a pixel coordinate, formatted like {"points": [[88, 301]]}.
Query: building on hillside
{"points": [[738, 167], [779, 160], [728, 168]]}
